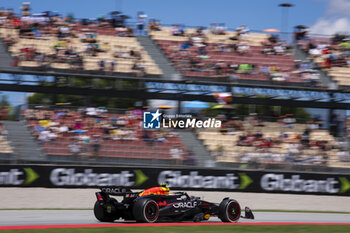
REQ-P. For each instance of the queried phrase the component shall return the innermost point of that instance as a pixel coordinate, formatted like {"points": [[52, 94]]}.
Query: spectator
{"points": [[3, 131], [300, 32], [44, 136], [219, 151], [102, 65], [138, 68], [78, 125], [85, 143], [160, 137], [52, 136], [111, 66], [218, 28], [147, 137], [343, 156], [96, 145], [190, 158], [177, 30], [243, 47], [105, 47], [75, 148], [305, 138], [154, 25], [140, 24], [118, 51], [176, 154]]}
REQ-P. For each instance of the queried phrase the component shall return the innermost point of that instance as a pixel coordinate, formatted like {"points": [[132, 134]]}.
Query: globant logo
{"points": [[278, 182], [156, 120], [11, 177], [69, 177], [18, 176], [193, 179]]}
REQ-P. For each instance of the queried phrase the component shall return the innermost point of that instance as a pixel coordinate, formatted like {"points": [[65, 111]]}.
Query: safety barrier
{"points": [[177, 179]]}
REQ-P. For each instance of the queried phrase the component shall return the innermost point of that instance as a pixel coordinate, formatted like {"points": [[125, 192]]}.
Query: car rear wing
{"points": [[115, 191], [118, 191]]}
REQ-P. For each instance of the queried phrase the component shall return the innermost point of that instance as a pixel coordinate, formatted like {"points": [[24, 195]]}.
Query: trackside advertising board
{"points": [[178, 179]]}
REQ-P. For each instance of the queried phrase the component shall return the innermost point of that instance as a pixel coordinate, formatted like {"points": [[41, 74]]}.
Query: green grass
{"points": [[198, 229]]}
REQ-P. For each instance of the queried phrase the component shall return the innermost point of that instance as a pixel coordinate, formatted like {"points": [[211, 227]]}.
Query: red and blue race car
{"points": [[156, 204]]}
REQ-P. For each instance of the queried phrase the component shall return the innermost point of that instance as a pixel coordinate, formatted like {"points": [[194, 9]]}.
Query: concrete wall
{"points": [[85, 198]]}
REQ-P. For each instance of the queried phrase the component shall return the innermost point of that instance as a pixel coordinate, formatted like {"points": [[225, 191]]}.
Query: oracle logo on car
{"points": [[185, 204], [114, 190]]}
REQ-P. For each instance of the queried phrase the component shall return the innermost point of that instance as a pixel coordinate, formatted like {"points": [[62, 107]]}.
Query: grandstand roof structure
{"points": [[181, 90]]}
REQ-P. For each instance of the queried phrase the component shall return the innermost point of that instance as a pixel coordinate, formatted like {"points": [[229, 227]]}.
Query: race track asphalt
{"points": [[60, 217]]}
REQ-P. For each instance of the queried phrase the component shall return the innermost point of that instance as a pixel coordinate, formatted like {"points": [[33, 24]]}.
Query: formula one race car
{"points": [[156, 204]]}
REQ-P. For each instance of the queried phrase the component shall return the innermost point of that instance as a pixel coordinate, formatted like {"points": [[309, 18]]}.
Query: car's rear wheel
{"points": [[229, 210], [146, 210], [102, 214]]}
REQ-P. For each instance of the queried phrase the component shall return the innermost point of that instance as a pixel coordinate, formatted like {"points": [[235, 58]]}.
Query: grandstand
{"points": [[86, 48], [249, 56], [95, 133], [71, 135], [197, 53], [275, 143], [235, 56], [330, 55], [6, 150], [5, 146]]}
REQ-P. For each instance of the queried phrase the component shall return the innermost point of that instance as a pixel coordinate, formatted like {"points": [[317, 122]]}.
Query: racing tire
{"points": [[101, 214], [146, 210], [229, 210]]}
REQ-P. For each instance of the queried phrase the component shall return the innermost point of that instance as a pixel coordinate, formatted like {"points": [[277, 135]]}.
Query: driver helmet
{"points": [[165, 188]]}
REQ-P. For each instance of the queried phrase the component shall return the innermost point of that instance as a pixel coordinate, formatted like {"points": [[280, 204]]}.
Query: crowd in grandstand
{"points": [[5, 145], [71, 41], [232, 56], [261, 142], [50, 23], [334, 52], [96, 133], [331, 54]]}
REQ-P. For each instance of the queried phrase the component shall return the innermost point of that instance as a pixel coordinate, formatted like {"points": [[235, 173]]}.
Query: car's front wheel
{"points": [[229, 210]]}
